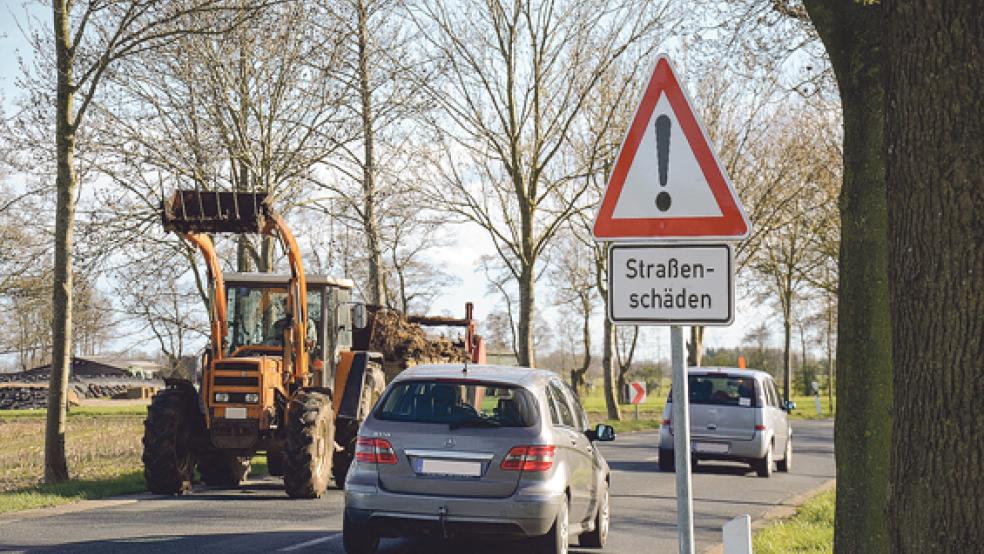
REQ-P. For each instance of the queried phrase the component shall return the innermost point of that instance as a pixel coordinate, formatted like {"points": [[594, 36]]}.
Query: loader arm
{"points": [[297, 295], [218, 315], [192, 213]]}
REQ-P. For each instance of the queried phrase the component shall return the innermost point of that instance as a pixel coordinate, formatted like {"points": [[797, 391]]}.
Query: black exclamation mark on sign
{"points": [[663, 125]]}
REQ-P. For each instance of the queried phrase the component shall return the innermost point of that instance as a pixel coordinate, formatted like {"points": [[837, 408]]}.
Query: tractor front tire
{"points": [[172, 419], [222, 469], [310, 445]]}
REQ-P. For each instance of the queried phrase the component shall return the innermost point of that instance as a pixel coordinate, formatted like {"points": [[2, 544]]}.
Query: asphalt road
{"points": [[259, 518]]}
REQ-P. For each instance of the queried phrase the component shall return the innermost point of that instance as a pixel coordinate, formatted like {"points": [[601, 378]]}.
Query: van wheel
{"points": [[358, 539], [556, 540], [598, 537], [665, 460], [764, 466], [786, 463]]}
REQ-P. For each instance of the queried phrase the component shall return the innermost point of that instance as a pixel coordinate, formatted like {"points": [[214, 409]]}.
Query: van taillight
{"points": [[529, 458], [760, 427], [374, 451]]}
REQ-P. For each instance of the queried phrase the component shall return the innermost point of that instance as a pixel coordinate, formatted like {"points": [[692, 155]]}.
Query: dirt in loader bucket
{"points": [[195, 211], [404, 344]]}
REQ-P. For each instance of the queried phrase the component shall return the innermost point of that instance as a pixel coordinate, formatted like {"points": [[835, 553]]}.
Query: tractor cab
{"points": [[258, 319]]}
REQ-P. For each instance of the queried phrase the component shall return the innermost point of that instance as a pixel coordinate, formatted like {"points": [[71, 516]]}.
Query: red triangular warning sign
{"points": [[667, 182]]}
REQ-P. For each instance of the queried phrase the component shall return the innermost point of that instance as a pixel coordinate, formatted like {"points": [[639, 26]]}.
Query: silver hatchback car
{"points": [[478, 451], [735, 414]]}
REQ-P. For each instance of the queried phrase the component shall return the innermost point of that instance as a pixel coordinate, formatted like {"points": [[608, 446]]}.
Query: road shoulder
{"points": [[784, 510]]}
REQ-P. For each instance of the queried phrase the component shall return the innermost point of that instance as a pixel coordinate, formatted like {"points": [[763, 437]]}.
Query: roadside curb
{"points": [[80, 506], [784, 510]]}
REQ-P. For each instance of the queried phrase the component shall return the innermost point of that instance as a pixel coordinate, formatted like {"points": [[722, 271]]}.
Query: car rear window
{"points": [[722, 390], [464, 403]]}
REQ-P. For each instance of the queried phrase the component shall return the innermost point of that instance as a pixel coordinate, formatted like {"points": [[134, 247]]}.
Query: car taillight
{"points": [[760, 427], [667, 422], [529, 458], [374, 451]]}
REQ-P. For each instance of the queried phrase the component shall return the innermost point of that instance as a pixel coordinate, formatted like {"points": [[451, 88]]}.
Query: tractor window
{"points": [[258, 316]]}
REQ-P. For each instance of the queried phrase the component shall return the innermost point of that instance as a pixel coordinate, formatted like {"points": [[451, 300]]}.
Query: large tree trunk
{"points": [[376, 292], [695, 347], [524, 337], [851, 32], [577, 375], [608, 368], [934, 131], [55, 465], [787, 350], [830, 354]]}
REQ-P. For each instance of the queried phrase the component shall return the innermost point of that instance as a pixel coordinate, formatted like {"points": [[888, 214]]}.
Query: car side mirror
{"points": [[603, 433], [789, 405], [359, 316]]}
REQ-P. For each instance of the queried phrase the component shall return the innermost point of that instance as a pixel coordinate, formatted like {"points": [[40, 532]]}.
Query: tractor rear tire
{"points": [[310, 445], [222, 469], [172, 420]]}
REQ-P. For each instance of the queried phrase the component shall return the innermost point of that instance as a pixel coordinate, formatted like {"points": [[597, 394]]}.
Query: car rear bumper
{"points": [[391, 514], [741, 450]]}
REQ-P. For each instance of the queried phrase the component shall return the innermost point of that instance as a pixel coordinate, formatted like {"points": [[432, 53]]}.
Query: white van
{"points": [[735, 415]]}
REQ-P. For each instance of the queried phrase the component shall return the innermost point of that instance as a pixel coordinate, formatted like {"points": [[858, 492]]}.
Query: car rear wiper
{"points": [[476, 421]]}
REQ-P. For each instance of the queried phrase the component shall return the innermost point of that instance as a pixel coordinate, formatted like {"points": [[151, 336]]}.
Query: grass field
{"points": [[127, 410], [103, 449], [103, 453], [810, 531]]}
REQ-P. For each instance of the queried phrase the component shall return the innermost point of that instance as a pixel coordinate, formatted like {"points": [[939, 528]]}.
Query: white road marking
{"points": [[306, 544]]}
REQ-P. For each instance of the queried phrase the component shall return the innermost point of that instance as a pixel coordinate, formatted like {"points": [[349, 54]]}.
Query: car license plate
{"points": [[235, 413], [455, 468], [711, 447]]}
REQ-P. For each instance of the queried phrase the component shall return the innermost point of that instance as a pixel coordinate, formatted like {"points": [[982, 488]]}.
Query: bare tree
{"points": [[86, 41], [573, 279], [519, 78], [252, 108], [784, 260], [626, 340], [377, 170]]}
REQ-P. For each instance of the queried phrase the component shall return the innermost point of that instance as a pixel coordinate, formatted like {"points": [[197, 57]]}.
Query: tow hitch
{"points": [[442, 514]]}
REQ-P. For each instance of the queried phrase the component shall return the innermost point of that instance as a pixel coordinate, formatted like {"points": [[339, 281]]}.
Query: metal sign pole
{"points": [[681, 444]]}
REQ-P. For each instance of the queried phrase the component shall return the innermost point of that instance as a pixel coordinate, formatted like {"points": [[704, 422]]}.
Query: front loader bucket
{"points": [[194, 211]]}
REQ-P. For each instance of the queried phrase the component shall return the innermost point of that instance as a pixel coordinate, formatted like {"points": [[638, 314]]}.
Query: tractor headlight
{"points": [[252, 398], [221, 397]]}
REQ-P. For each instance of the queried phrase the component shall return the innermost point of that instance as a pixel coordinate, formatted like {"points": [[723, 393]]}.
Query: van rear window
{"points": [[459, 403], [722, 390]]}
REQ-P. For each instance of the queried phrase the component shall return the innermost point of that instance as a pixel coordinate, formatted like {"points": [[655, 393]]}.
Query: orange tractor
{"points": [[278, 375]]}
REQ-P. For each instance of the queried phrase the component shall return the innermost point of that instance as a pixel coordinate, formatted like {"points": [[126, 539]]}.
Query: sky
{"points": [[461, 257]]}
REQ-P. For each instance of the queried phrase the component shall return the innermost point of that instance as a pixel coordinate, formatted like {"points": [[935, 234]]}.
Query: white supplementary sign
{"points": [[670, 284]]}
